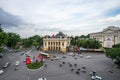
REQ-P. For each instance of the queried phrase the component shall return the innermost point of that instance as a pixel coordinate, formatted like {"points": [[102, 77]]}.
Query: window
{"points": [[63, 44], [48, 43], [45, 43]]}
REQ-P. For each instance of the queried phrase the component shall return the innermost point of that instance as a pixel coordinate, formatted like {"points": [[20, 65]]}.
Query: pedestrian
{"points": [[63, 62], [60, 65], [72, 69], [77, 72], [78, 69], [93, 72], [75, 65], [84, 67], [70, 65], [109, 70], [15, 69], [45, 65]]}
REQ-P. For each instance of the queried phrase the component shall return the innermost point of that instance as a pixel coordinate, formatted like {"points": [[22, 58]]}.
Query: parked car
{"points": [[1, 72], [6, 64], [42, 78], [17, 63]]}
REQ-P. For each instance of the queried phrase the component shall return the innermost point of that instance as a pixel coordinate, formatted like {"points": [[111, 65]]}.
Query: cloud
{"points": [[50, 16], [9, 20], [110, 19]]}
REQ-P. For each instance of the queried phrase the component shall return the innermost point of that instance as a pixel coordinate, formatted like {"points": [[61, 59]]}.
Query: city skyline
{"points": [[47, 17]]}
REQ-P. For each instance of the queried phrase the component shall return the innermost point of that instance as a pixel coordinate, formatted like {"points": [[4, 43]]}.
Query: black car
{"points": [[6, 64]]}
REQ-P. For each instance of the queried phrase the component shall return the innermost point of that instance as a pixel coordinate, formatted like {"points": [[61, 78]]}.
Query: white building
{"points": [[108, 37]]}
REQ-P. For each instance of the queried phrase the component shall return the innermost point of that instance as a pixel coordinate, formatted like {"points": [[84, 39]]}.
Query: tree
{"points": [[74, 40], [89, 43], [116, 46], [85, 36], [26, 43], [3, 39], [13, 40], [113, 53], [36, 41]]}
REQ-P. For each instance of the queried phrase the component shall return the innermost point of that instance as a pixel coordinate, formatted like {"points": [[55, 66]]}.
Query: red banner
{"points": [[28, 60]]}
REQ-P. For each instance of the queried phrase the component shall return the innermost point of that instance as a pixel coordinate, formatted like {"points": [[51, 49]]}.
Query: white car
{"points": [[17, 63], [42, 78], [56, 58], [6, 64], [1, 72], [96, 78], [70, 54], [88, 57], [81, 56]]}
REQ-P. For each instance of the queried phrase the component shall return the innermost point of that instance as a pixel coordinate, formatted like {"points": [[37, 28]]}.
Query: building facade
{"points": [[108, 37], [59, 42]]}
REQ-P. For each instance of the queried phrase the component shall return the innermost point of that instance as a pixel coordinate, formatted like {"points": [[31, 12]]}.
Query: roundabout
{"points": [[35, 65]]}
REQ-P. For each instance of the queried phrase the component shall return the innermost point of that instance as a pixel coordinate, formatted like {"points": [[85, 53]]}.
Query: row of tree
{"points": [[14, 41], [85, 42], [36, 41], [3, 39]]}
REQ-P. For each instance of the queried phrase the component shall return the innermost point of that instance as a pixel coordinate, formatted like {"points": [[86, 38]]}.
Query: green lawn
{"points": [[35, 65]]}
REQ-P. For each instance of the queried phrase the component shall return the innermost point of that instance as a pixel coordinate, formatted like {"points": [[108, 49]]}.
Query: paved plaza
{"points": [[53, 70]]}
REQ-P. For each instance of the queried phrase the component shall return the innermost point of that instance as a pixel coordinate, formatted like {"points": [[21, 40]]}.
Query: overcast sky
{"points": [[47, 17]]}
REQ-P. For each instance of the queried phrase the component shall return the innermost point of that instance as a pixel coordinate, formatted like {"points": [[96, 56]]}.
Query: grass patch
{"points": [[35, 65]]}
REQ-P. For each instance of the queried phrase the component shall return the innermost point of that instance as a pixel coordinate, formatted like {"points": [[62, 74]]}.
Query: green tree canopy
{"points": [[3, 38], [74, 40], [32, 41], [89, 43], [13, 39], [116, 46], [113, 53]]}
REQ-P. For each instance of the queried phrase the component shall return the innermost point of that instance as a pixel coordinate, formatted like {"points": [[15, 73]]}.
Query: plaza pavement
{"points": [[53, 71]]}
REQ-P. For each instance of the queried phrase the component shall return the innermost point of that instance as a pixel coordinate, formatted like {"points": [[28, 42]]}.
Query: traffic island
{"points": [[35, 65]]}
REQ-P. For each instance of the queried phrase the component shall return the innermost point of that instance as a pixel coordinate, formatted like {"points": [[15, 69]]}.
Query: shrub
{"points": [[35, 65]]}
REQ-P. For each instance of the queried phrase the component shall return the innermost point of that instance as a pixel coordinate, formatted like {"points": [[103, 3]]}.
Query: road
{"points": [[54, 72]]}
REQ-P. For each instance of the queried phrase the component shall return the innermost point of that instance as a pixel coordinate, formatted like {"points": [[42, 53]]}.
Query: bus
{"points": [[45, 55]]}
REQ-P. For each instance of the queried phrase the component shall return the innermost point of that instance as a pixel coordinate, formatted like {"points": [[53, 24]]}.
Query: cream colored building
{"points": [[108, 37], [59, 42]]}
